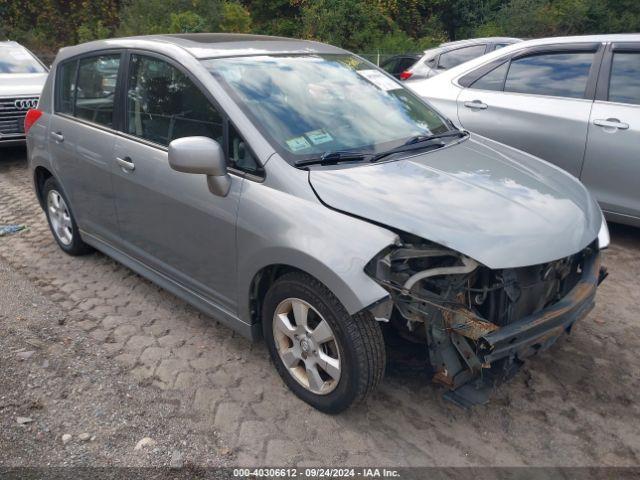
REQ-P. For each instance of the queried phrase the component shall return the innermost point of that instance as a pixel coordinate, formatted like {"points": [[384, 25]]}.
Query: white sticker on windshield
{"points": [[298, 143], [379, 79], [318, 137]]}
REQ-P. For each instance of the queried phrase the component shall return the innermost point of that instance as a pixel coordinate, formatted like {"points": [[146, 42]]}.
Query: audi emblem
{"points": [[26, 103]]}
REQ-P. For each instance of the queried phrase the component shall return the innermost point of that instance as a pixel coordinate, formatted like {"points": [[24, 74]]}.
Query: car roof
{"points": [[209, 45], [538, 42], [447, 46], [482, 40]]}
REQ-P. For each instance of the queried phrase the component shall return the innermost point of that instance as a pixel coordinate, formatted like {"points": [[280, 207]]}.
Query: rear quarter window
{"points": [[65, 87]]}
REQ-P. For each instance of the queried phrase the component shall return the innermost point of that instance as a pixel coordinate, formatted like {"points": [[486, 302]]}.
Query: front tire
{"points": [[61, 221], [327, 357]]}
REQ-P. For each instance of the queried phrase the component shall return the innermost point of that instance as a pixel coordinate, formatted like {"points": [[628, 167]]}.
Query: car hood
{"points": [[21, 84], [495, 204]]}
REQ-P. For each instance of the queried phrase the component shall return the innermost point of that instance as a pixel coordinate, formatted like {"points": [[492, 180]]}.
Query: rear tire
{"points": [[331, 360], [61, 221]]}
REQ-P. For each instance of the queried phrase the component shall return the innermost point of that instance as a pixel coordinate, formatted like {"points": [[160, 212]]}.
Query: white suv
{"points": [[22, 77]]}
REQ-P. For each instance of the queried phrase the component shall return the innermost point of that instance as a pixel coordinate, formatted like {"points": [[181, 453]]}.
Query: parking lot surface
{"points": [[576, 404]]}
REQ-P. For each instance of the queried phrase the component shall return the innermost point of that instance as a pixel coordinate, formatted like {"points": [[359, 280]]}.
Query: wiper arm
{"points": [[426, 138], [332, 157], [419, 142]]}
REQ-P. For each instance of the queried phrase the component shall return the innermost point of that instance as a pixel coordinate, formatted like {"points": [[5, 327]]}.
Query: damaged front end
{"points": [[477, 323]]}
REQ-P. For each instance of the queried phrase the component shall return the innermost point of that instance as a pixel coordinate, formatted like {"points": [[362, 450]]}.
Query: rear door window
{"points": [[96, 88], [554, 74], [456, 57], [163, 104], [624, 85]]}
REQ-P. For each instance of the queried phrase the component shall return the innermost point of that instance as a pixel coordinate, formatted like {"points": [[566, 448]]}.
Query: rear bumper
{"points": [[539, 331]]}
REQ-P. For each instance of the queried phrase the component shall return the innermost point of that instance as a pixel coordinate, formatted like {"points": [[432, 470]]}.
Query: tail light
{"points": [[32, 117], [405, 75]]}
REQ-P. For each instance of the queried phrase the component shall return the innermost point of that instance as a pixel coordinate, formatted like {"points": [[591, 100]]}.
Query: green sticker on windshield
{"points": [[298, 143], [319, 137]]}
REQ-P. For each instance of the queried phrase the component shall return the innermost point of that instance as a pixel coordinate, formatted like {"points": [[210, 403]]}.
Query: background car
{"points": [[400, 63], [450, 54], [574, 101], [22, 77]]}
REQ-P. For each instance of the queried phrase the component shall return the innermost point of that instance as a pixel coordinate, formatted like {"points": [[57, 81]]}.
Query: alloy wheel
{"points": [[60, 217], [307, 346]]}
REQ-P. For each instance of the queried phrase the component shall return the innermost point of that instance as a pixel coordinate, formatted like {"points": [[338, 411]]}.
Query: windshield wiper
{"points": [[426, 138], [332, 157], [418, 142]]}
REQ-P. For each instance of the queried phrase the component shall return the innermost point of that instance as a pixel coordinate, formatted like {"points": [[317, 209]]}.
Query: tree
{"points": [[235, 18], [140, 17], [352, 24]]}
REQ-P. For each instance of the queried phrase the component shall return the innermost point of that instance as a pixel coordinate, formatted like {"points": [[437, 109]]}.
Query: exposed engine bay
{"points": [[479, 324]]}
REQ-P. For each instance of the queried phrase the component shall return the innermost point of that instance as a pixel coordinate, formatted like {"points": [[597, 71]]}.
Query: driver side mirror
{"points": [[201, 155]]}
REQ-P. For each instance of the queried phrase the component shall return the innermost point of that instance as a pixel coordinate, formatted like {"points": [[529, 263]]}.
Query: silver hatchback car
{"points": [[574, 101], [296, 192]]}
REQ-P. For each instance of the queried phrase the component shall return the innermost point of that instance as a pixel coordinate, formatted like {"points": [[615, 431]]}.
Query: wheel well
{"points": [[41, 175], [260, 285]]}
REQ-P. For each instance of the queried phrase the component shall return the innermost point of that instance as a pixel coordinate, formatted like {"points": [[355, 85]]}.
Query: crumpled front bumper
{"points": [[539, 331], [500, 350]]}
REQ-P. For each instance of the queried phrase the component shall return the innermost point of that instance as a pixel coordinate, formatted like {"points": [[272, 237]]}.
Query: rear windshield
{"points": [[17, 59], [312, 104]]}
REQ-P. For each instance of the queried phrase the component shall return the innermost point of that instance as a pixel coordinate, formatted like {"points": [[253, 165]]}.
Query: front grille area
{"points": [[12, 117]]}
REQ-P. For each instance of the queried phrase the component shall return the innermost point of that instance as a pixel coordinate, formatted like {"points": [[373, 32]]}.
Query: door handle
{"points": [[57, 136], [476, 105], [611, 123], [126, 163]]}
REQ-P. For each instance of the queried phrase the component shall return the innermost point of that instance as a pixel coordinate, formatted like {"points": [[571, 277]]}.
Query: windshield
{"points": [[16, 59], [309, 105]]}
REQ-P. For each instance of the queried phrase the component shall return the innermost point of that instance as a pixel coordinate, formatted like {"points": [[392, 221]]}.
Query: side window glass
{"points": [[240, 156], [164, 104], [624, 86], [66, 87], [405, 64], [494, 80], [456, 57], [96, 90], [390, 66], [555, 74]]}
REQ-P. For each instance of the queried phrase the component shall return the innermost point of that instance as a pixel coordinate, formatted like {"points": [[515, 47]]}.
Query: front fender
{"points": [[275, 227]]}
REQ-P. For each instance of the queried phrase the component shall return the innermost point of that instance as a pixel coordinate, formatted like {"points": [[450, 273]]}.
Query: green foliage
{"points": [[141, 17], [235, 18], [186, 22], [372, 26], [352, 24]]}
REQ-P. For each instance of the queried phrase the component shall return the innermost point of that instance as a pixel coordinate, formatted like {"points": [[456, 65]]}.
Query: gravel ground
{"points": [[120, 359], [63, 402]]}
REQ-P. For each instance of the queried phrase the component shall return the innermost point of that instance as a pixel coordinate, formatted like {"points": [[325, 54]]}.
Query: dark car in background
{"points": [[400, 63]]}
